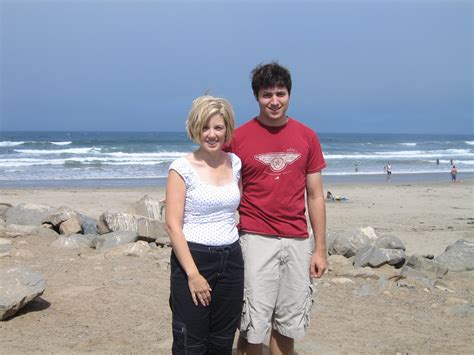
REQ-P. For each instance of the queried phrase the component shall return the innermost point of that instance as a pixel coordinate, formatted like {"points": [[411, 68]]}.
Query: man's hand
{"points": [[319, 264]]}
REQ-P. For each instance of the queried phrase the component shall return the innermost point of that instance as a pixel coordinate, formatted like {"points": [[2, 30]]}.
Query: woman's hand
{"points": [[200, 289]]}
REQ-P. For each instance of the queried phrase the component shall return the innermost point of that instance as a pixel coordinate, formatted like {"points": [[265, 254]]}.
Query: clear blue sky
{"points": [[401, 66]]}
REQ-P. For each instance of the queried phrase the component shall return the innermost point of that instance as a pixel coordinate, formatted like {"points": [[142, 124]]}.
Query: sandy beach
{"points": [[96, 303]]}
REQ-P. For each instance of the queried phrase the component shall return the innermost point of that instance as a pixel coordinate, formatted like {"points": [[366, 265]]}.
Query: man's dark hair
{"points": [[270, 75]]}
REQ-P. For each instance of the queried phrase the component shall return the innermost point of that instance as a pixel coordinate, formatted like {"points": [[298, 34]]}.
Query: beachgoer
{"points": [[389, 169], [207, 271], [281, 160], [437, 161], [356, 167], [454, 172], [329, 196]]}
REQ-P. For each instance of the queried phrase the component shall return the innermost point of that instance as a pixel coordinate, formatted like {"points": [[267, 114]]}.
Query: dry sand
{"points": [[95, 303]]}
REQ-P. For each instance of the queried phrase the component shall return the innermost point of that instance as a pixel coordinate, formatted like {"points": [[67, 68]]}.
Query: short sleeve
{"points": [[316, 160], [182, 168], [236, 166]]}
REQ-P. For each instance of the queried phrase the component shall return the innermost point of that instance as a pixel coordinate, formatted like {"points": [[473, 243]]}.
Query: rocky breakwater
{"points": [[139, 232]]}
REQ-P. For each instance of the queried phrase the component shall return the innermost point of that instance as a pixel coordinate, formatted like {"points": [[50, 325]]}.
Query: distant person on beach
{"points": [[329, 196], [207, 270], [454, 173], [281, 161]]}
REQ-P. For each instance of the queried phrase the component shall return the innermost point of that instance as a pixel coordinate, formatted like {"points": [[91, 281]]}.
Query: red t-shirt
{"points": [[275, 162]]}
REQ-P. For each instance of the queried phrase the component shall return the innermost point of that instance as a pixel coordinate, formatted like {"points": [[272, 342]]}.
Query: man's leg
{"points": [[281, 345], [246, 348], [262, 279]]}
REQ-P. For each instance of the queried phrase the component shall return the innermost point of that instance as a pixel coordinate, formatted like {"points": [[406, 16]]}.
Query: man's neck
{"points": [[272, 123]]}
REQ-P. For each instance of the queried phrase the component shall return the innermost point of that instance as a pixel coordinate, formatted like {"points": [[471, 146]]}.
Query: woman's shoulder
{"points": [[234, 159], [180, 164]]}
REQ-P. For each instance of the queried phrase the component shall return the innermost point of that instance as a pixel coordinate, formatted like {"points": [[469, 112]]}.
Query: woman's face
{"points": [[213, 134]]}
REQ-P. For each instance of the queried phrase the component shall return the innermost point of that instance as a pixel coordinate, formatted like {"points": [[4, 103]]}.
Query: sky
{"points": [[357, 66]]}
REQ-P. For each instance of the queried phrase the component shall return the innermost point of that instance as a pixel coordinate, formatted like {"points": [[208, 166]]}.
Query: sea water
{"points": [[143, 158]]}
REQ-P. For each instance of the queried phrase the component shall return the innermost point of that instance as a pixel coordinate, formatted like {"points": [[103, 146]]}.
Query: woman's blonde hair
{"points": [[205, 107]]}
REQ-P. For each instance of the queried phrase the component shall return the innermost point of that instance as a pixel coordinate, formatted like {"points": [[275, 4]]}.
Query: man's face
{"points": [[273, 103]]}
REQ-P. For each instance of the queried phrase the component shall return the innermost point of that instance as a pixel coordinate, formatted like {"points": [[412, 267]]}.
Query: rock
{"points": [[147, 207], [76, 241], [16, 230], [140, 248], [458, 256], [146, 228], [59, 216], [341, 281], [27, 214], [3, 209], [71, 226], [347, 245], [417, 266], [111, 240], [375, 257], [456, 301], [18, 286], [389, 242], [88, 224]]}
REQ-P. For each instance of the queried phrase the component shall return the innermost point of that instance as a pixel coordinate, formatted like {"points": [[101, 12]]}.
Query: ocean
{"points": [[95, 159]]}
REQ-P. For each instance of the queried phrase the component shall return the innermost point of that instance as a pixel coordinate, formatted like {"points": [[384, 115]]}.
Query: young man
{"points": [[281, 161]]}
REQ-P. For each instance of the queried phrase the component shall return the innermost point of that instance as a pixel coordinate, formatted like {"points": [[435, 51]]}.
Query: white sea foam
{"points": [[10, 144], [408, 144], [405, 154], [469, 142], [58, 151], [61, 143]]}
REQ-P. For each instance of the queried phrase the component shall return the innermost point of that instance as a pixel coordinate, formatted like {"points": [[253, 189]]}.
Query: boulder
{"points": [[147, 207], [389, 242], [18, 286], [347, 245], [375, 257], [16, 230], [146, 228], [76, 241], [458, 256], [59, 216], [28, 214], [425, 271], [3, 209], [88, 224], [140, 248], [111, 240], [71, 226]]}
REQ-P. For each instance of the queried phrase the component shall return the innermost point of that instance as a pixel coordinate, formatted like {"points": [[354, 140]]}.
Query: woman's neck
{"points": [[213, 159]]}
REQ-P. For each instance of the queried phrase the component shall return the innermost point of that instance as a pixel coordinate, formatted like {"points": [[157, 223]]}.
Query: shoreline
{"points": [[161, 182]]}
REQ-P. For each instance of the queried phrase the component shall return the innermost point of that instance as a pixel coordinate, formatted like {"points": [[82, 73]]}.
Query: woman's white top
{"points": [[209, 210]]}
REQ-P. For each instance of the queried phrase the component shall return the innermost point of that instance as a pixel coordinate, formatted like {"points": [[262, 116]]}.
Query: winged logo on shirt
{"points": [[277, 161]]}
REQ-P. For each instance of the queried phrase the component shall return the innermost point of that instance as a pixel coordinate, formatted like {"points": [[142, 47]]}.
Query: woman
{"points": [[207, 269]]}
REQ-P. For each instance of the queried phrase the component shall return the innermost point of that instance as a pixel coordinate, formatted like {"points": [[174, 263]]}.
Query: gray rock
{"points": [[347, 245], [146, 228], [147, 207], [111, 240], [458, 256], [18, 286], [3, 209], [390, 242], [375, 257], [59, 216], [88, 224], [139, 249], [71, 226], [28, 214], [16, 230], [420, 267], [76, 241]]}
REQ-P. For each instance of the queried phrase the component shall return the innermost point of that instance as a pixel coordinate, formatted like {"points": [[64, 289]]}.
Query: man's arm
{"points": [[317, 218]]}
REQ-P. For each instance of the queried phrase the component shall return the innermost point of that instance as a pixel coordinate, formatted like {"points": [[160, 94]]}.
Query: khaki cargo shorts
{"points": [[277, 287]]}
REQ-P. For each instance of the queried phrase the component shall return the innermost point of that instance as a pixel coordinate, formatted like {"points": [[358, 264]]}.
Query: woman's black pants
{"points": [[208, 330]]}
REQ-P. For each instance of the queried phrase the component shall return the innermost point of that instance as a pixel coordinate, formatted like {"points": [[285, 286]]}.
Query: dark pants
{"points": [[211, 329]]}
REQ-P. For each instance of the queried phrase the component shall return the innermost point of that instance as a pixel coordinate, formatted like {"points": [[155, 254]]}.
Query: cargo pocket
{"points": [[180, 338], [245, 318], [308, 305]]}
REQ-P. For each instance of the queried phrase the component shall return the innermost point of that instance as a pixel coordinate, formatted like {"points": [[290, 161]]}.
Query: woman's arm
{"points": [[175, 198]]}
